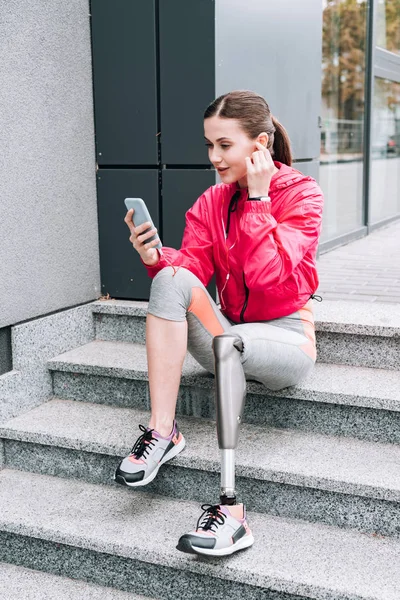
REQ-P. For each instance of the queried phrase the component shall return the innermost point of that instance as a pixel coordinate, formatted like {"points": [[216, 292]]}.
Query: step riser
{"points": [[120, 328], [358, 350], [340, 348], [126, 574], [371, 424], [368, 515], [20, 583]]}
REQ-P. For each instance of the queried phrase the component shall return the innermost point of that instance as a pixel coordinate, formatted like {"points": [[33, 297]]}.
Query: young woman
{"points": [[258, 232]]}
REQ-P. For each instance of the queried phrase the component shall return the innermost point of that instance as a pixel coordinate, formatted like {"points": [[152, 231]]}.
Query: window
{"points": [[342, 141], [385, 150], [388, 25]]}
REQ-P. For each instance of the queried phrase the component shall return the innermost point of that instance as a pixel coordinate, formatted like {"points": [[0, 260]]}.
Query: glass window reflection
{"points": [[385, 151], [342, 143], [388, 25]]}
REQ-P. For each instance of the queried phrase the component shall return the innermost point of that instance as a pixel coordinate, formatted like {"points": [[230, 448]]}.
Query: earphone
{"points": [[227, 251], [225, 234]]}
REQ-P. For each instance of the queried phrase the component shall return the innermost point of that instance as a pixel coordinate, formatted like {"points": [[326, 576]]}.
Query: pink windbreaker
{"points": [[266, 266]]}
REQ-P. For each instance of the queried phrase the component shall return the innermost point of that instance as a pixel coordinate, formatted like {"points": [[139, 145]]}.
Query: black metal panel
{"points": [[5, 350], [125, 86], [181, 188], [122, 272], [187, 78]]}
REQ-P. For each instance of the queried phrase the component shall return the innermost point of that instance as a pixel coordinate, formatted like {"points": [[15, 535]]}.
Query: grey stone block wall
{"points": [[35, 342], [2, 454], [48, 226]]}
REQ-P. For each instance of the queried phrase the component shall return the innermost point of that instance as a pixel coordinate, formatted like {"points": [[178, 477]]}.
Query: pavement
{"points": [[366, 270]]}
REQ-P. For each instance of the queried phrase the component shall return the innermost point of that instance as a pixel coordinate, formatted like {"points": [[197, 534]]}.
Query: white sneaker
{"points": [[222, 531], [150, 451]]}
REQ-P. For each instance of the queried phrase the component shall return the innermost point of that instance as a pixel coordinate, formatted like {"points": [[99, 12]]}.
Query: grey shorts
{"points": [[277, 353]]}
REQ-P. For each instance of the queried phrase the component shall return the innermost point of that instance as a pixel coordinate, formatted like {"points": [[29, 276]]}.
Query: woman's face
{"points": [[228, 145]]}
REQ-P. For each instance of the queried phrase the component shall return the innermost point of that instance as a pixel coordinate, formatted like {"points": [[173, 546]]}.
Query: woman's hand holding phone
{"points": [[147, 252]]}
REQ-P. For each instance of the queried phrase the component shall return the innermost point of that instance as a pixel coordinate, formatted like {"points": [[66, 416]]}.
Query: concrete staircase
{"points": [[318, 466]]}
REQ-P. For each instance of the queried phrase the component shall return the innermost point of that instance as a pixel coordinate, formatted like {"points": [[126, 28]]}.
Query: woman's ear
{"points": [[263, 139]]}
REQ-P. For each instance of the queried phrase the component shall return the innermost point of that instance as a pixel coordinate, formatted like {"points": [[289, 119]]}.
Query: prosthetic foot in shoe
{"points": [[221, 530]]}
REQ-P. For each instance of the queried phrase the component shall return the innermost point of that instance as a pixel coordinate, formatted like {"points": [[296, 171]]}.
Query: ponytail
{"points": [[281, 145]]}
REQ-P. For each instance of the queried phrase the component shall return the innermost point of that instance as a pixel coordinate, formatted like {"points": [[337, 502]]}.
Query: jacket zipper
{"points": [[245, 301], [232, 208]]}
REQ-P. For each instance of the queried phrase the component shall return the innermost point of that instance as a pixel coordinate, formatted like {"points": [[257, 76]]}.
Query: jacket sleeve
{"points": [[196, 253], [272, 250]]}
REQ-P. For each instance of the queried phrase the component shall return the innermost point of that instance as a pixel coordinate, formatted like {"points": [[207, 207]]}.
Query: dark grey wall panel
{"points": [[125, 96], [187, 78], [122, 273], [181, 188], [5, 350]]}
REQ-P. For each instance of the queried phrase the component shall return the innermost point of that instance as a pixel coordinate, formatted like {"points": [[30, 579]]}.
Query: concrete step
{"points": [[111, 535], [20, 583], [350, 333], [343, 482], [334, 399]]}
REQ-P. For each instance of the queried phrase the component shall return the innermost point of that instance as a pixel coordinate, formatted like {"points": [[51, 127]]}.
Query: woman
{"points": [[258, 232]]}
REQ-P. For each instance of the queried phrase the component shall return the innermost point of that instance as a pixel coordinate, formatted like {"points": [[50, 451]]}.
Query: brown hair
{"points": [[254, 116]]}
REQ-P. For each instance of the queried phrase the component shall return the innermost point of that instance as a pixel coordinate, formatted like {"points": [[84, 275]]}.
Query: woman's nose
{"points": [[214, 158]]}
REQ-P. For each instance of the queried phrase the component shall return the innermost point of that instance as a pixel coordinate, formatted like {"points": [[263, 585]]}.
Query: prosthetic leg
{"points": [[221, 530], [230, 391]]}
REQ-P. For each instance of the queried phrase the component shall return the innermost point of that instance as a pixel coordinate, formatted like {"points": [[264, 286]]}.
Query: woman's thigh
{"points": [[182, 296], [274, 356]]}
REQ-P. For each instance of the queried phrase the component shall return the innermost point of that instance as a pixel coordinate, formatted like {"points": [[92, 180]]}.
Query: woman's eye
{"points": [[224, 146]]}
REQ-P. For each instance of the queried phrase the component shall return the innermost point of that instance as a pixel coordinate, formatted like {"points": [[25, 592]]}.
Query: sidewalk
{"points": [[367, 270]]}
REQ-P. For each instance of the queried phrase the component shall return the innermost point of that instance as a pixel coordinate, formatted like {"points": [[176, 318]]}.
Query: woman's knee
{"points": [[164, 275], [175, 276], [165, 280], [171, 292]]}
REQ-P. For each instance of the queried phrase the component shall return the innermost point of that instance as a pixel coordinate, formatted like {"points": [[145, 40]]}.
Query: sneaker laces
{"points": [[212, 516], [143, 442]]}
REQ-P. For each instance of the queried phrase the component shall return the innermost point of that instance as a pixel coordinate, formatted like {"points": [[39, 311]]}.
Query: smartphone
{"points": [[140, 216]]}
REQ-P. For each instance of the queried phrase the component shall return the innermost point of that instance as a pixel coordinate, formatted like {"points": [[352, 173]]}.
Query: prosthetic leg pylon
{"points": [[230, 394]]}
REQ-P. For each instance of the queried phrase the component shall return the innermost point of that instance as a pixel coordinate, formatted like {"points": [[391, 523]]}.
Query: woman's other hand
{"points": [[260, 169], [148, 252]]}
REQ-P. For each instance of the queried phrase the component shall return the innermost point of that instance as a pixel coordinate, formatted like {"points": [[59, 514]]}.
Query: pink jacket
{"points": [[266, 267]]}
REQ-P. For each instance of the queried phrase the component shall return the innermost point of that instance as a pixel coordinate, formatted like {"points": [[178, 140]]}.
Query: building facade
{"points": [[104, 100]]}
